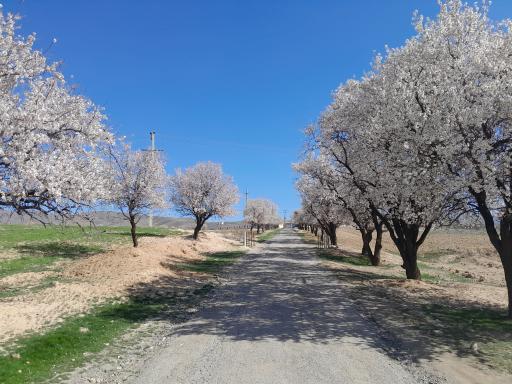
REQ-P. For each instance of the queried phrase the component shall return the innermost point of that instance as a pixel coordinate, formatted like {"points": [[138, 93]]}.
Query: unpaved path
{"points": [[281, 318]]}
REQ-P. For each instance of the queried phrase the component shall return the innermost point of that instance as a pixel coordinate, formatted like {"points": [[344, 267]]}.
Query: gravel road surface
{"points": [[281, 318]]}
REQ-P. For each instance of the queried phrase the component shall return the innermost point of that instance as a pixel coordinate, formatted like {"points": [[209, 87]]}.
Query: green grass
{"points": [[489, 328], [471, 319], [38, 358], [435, 255], [267, 235], [213, 263], [25, 264], [435, 276], [498, 354], [42, 357], [13, 235], [40, 247], [339, 258]]}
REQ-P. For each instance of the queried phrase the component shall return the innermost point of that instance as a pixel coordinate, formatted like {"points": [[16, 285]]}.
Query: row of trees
{"points": [[423, 138], [261, 214], [57, 155]]}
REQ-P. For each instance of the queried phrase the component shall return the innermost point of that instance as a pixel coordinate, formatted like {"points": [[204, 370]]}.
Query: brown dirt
{"points": [[97, 278], [467, 274], [447, 255]]}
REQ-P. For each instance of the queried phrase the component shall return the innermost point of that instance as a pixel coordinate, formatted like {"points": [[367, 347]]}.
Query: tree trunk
{"points": [[332, 234], [378, 246], [506, 256], [366, 236], [407, 244], [199, 224], [502, 243], [133, 231]]}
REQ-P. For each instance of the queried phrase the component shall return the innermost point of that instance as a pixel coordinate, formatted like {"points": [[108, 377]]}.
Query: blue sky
{"points": [[234, 82]]}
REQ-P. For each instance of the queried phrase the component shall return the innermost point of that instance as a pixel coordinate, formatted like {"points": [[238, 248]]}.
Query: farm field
{"points": [[65, 293], [457, 310]]}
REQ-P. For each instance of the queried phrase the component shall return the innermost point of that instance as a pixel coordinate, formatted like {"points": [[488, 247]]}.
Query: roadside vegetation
{"points": [[212, 263], [35, 248], [457, 309], [267, 235], [50, 355], [58, 348]]}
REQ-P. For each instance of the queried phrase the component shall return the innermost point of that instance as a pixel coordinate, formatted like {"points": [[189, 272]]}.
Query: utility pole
{"points": [[245, 223], [284, 217], [152, 149]]}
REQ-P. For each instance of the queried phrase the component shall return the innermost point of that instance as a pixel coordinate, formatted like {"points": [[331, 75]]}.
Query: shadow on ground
{"points": [[281, 292], [58, 249]]}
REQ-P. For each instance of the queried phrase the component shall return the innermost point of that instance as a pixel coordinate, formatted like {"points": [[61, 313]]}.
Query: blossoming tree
{"points": [[259, 213], [203, 191], [49, 135], [137, 183]]}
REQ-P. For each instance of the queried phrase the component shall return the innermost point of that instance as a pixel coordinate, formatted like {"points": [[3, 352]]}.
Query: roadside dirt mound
{"points": [[97, 278]]}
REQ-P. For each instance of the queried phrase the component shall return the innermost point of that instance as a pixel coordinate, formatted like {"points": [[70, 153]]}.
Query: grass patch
{"points": [[213, 263], [40, 247], [267, 235], [14, 235], [435, 276], [38, 358], [435, 255], [41, 357], [25, 264], [340, 258], [489, 328], [468, 320]]}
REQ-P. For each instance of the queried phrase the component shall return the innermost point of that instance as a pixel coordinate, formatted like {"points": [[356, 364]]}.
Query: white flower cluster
{"points": [[261, 212], [49, 135], [203, 191], [426, 135]]}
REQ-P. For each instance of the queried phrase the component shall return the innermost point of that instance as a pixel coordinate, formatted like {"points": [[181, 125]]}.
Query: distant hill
{"points": [[100, 218]]}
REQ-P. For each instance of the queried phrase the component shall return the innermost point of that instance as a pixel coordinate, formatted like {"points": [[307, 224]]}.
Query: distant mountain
{"points": [[100, 218]]}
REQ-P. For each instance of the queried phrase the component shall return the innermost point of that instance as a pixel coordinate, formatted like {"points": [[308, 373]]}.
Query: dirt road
{"points": [[282, 318]]}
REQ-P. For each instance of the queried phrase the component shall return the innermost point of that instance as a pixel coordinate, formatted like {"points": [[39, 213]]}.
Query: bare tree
{"points": [[203, 191]]}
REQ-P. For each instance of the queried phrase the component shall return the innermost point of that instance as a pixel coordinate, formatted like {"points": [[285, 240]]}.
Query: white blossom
{"points": [[203, 191], [137, 183], [49, 136]]}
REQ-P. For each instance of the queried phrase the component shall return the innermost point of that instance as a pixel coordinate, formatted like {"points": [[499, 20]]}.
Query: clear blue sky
{"points": [[234, 82]]}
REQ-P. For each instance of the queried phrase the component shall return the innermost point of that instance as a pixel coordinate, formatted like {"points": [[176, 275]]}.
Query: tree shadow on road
{"points": [[281, 293]]}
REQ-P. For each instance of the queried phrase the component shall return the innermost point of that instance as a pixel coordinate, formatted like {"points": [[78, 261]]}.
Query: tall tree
{"points": [[138, 181], [203, 191], [260, 213], [49, 135]]}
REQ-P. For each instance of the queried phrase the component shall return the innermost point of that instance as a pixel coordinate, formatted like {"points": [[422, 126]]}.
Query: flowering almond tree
{"points": [[49, 135], [468, 84], [259, 213], [321, 203], [382, 137], [323, 169], [203, 191], [137, 183]]}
